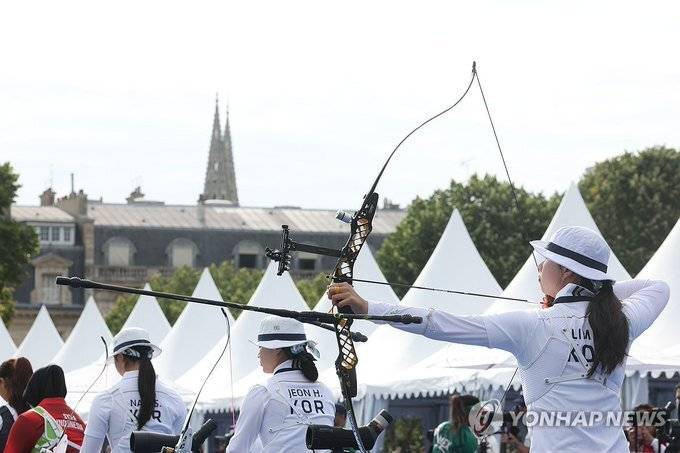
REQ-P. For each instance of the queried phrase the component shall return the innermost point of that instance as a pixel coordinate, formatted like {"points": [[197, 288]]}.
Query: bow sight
{"points": [[361, 225], [283, 255]]}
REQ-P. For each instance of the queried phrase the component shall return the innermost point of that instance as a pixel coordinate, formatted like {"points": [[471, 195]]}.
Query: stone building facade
{"points": [[126, 243]]}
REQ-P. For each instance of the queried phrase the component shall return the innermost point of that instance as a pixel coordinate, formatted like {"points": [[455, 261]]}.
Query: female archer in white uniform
{"points": [[279, 411], [138, 402], [572, 352]]}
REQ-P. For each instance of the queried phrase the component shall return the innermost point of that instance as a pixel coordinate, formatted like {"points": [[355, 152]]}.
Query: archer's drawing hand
{"points": [[343, 295]]}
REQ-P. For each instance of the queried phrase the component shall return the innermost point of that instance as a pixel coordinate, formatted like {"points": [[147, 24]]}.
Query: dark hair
{"points": [[46, 382], [610, 328], [16, 373], [303, 361], [146, 382], [457, 415]]}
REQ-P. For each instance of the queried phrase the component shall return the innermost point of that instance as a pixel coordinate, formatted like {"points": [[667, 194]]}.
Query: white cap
{"points": [[132, 336], [579, 249], [276, 332]]}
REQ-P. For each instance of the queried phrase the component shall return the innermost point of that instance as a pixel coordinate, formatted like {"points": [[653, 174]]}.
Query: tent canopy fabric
{"points": [[42, 342], [7, 346], [455, 263], [664, 265], [147, 314], [84, 345], [195, 332]]}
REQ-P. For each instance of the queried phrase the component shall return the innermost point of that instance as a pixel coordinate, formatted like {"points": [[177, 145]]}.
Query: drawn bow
{"points": [[361, 225]]}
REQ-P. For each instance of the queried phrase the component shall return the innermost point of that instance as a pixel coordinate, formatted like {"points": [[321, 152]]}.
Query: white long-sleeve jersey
{"points": [[279, 412], [552, 346]]}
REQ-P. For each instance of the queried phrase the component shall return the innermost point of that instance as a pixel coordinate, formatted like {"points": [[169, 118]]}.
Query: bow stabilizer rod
{"points": [[309, 317]]}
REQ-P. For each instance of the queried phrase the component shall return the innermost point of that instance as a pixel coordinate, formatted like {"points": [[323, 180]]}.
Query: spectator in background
{"points": [[51, 422], [340, 416], [14, 375], [642, 436], [515, 439], [455, 435]]}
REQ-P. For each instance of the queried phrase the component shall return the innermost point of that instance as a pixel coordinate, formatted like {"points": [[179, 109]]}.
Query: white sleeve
{"points": [[249, 420], [437, 324], [643, 301], [98, 421], [97, 424], [91, 444], [507, 331], [182, 412]]}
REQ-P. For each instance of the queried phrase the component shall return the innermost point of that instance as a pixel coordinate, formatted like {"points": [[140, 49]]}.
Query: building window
{"points": [[67, 234], [307, 264], [49, 289], [182, 252], [119, 252], [247, 260], [306, 261], [44, 234], [248, 254], [55, 236]]}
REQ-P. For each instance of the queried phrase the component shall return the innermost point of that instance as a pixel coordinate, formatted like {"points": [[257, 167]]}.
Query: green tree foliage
{"points": [[486, 204], [405, 435], [6, 305], [234, 285], [312, 288], [635, 201], [18, 243]]}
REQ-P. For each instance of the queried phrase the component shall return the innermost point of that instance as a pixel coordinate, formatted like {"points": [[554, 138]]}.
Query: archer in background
{"points": [[572, 353], [279, 411], [139, 400]]}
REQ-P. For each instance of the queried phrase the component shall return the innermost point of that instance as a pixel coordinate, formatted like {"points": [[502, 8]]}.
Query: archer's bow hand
{"points": [[344, 295]]}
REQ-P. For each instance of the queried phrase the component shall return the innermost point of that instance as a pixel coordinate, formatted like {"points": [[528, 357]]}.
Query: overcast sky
{"points": [[319, 95]]}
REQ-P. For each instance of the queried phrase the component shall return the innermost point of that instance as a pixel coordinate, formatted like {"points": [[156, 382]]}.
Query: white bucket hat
{"points": [[132, 336], [579, 249], [276, 332]]}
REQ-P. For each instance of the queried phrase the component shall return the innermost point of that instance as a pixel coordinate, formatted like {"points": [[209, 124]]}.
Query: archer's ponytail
{"points": [[610, 329], [146, 384], [304, 361]]}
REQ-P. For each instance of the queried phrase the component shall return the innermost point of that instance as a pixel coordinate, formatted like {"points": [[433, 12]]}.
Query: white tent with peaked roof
{"points": [[84, 345], [42, 341], [572, 211], [273, 291], [365, 268], [147, 314], [195, 332], [7, 346], [664, 265], [456, 264]]}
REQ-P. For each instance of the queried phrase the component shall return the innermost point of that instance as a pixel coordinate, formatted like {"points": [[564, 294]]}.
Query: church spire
{"points": [[220, 181], [216, 131], [228, 150]]}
